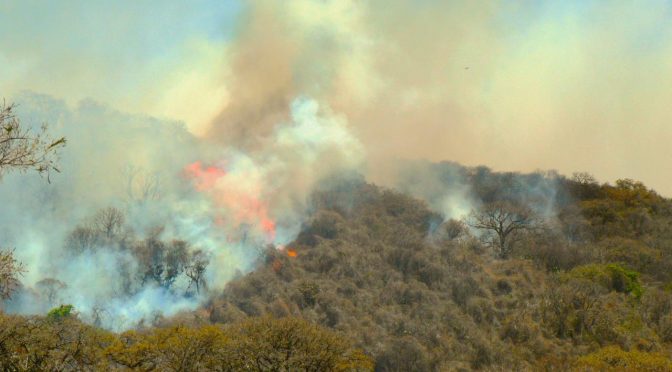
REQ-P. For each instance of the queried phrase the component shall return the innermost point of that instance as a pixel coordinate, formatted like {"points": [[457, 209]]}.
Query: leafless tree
{"points": [[82, 239], [50, 289], [195, 271], [141, 186], [98, 312], [503, 223], [109, 222], [454, 228], [10, 271], [177, 258], [21, 149]]}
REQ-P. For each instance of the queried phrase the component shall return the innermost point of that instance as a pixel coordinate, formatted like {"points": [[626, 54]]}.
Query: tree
{"points": [[109, 222], [82, 239], [583, 178], [141, 186], [58, 342], [21, 149], [177, 258], [291, 344], [257, 344], [503, 222], [10, 270], [50, 288], [196, 269]]}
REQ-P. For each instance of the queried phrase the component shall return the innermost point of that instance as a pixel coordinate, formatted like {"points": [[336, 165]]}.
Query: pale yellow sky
{"points": [[572, 86]]}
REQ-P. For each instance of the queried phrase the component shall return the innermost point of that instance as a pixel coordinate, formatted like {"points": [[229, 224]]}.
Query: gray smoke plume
{"points": [[163, 193]]}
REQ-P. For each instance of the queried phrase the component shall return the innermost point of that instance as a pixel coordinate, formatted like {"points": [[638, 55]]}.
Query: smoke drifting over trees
{"points": [[142, 226], [310, 181]]}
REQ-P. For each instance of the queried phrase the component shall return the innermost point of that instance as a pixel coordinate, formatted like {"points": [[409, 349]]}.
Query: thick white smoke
{"points": [[170, 186]]}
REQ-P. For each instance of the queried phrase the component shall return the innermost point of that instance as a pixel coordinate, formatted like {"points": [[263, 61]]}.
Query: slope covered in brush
{"points": [[420, 293]]}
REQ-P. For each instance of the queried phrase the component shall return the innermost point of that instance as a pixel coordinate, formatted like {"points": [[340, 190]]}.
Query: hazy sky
{"points": [[516, 85]]}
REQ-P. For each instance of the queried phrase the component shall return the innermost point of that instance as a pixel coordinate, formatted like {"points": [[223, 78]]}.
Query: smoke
{"points": [[154, 172], [292, 93], [572, 86], [519, 86]]}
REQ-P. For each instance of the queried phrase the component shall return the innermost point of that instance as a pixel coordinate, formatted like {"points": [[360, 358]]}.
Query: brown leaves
{"points": [[254, 345], [10, 271], [22, 149]]}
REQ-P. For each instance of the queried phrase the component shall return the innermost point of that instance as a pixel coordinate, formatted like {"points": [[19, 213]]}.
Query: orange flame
{"points": [[205, 178], [291, 253], [243, 205]]}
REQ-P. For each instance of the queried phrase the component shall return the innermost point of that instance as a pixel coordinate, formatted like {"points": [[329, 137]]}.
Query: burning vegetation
{"points": [[283, 226]]}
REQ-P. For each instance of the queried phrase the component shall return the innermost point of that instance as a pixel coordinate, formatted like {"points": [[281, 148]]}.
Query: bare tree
{"points": [[50, 289], [10, 271], [141, 185], [177, 258], [503, 223], [21, 149], [195, 271], [98, 312], [109, 222], [82, 239]]}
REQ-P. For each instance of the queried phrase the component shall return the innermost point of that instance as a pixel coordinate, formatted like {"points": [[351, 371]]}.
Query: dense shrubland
{"points": [[582, 281], [589, 278], [61, 342]]}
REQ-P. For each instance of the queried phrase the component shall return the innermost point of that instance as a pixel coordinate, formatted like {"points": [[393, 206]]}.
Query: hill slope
{"points": [[419, 294]]}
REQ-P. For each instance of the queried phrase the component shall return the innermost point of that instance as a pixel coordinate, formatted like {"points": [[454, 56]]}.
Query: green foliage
{"points": [[613, 277], [60, 312]]}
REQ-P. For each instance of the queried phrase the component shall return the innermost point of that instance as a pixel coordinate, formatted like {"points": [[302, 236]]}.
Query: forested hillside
{"points": [[573, 275]]}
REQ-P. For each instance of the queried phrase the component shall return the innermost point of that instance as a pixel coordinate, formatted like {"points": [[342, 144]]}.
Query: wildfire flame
{"points": [[240, 201], [291, 253]]}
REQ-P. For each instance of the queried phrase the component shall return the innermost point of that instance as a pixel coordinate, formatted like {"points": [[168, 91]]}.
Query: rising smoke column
{"points": [[489, 82], [223, 201], [516, 86]]}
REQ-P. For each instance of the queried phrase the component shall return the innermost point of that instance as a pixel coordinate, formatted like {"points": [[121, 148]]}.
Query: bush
{"points": [[293, 345], [60, 312], [404, 354], [613, 277], [257, 344], [613, 358]]}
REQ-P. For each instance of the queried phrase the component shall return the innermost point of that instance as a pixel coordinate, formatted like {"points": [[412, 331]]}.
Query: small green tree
{"points": [[61, 312]]}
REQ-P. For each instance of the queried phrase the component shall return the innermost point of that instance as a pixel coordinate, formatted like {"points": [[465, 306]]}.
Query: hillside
{"points": [[387, 280], [419, 294]]}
